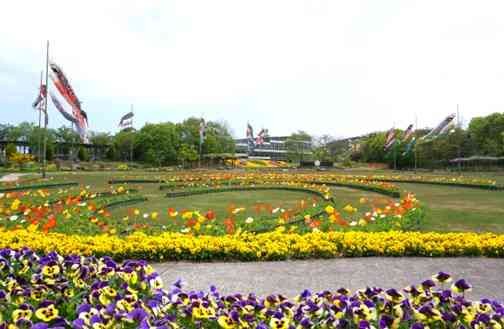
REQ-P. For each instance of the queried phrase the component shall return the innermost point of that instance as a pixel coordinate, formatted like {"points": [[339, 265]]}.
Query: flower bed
{"points": [[36, 186], [460, 181], [276, 245], [51, 291]]}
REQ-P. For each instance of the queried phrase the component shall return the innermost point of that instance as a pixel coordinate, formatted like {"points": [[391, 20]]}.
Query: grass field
{"points": [[447, 208]]}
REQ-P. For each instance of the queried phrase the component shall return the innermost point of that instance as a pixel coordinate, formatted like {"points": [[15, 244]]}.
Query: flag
{"points": [[40, 97], [449, 128], [202, 131], [126, 124], [408, 133], [390, 134], [62, 84], [80, 129], [125, 117], [38, 102], [390, 139], [260, 137], [250, 136], [61, 110], [436, 131], [390, 144], [250, 131], [410, 146]]}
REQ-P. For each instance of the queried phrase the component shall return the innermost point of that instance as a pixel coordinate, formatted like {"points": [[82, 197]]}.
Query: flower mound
{"points": [[50, 291]]}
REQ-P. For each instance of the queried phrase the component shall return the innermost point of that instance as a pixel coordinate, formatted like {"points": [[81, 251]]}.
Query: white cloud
{"points": [[342, 68]]}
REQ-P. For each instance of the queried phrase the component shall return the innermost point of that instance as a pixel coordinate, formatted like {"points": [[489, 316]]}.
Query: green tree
{"points": [[158, 144], [298, 146], [187, 153], [123, 142], [487, 133], [83, 154], [322, 150]]}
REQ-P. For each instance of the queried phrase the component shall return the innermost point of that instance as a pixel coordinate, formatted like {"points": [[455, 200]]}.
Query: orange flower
{"points": [[210, 215], [50, 224], [229, 223]]}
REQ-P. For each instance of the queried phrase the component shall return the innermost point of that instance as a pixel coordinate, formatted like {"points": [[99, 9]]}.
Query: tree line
{"points": [[158, 144], [484, 136]]}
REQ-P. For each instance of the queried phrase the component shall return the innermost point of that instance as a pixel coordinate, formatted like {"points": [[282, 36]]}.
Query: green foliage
{"points": [[488, 134], [187, 153], [83, 154], [10, 150], [296, 146], [157, 144]]}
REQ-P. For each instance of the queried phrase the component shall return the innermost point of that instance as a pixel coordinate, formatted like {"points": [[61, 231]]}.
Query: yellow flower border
{"points": [[275, 245]]}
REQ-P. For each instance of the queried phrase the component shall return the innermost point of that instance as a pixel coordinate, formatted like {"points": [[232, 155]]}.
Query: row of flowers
{"points": [[52, 291], [276, 245], [212, 179], [435, 179], [68, 210], [85, 211]]}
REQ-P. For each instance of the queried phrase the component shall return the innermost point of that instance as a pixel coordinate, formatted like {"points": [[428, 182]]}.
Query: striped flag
{"points": [[63, 86], [250, 136], [442, 125], [124, 119], [408, 133], [390, 140]]}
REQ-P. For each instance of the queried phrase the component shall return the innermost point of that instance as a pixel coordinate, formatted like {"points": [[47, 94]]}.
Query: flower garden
{"points": [[63, 240]]}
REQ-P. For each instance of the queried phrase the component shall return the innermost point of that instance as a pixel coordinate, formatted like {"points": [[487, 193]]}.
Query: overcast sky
{"points": [[328, 67]]}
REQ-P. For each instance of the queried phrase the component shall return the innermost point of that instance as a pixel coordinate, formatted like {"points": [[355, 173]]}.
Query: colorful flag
{"points": [[40, 97], [61, 109], [65, 89], [408, 133], [260, 137], [390, 139], [202, 131], [436, 131], [409, 146], [250, 136], [390, 135]]}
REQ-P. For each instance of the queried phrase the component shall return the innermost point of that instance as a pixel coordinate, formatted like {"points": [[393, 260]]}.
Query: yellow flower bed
{"points": [[266, 246]]}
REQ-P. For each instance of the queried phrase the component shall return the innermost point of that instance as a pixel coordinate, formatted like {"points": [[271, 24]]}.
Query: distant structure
{"points": [[273, 148]]}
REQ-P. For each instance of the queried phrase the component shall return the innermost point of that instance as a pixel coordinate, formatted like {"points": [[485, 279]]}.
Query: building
{"points": [[273, 148]]}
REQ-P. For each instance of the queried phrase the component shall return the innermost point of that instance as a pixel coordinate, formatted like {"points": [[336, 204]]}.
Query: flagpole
{"points": [[131, 144], [45, 112], [416, 142], [40, 123], [459, 146]]}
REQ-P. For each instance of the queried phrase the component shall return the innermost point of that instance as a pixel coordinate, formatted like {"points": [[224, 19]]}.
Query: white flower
{"points": [[249, 220], [353, 223], [275, 210], [2, 195], [145, 215], [383, 216], [13, 218], [82, 204], [185, 230]]}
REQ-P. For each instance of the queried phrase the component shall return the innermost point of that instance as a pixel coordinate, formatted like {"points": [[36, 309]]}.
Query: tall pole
{"points": [[131, 144], [45, 112], [39, 151], [416, 142], [460, 144]]}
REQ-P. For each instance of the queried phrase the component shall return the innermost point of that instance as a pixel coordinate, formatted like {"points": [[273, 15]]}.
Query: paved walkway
{"points": [[291, 277], [11, 178]]}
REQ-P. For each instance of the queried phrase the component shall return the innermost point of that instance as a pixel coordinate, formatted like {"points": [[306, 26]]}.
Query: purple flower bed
{"points": [[51, 291]]}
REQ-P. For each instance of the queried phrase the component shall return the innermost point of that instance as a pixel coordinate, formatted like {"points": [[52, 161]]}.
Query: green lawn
{"points": [[447, 208]]}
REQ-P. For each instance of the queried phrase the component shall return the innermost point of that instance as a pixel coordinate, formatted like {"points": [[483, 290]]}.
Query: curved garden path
{"points": [[291, 277], [11, 178]]}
